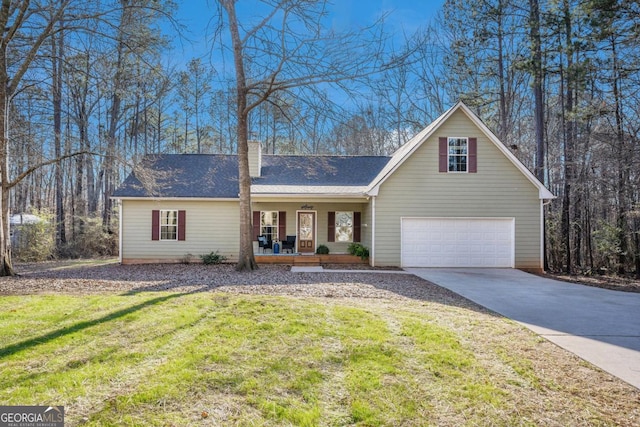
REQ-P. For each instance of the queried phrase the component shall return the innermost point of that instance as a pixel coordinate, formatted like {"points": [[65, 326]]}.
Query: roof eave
{"points": [[543, 192], [193, 199], [413, 144], [309, 195]]}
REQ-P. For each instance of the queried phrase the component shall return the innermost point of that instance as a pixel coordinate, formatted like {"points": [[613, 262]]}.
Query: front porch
{"points": [[309, 260]]}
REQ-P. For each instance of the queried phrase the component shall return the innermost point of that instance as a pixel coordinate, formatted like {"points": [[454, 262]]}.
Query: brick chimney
{"points": [[255, 158]]}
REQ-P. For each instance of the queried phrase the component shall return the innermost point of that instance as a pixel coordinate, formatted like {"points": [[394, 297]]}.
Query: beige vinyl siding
{"points": [[498, 189], [210, 226], [322, 210]]}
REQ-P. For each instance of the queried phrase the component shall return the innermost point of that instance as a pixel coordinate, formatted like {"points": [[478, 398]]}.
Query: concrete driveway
{"points": [[600, 326]]}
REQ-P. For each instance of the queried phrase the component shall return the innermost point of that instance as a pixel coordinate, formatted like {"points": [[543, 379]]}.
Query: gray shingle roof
{"points": [[216, 175], [183, 175], [320, 170]]}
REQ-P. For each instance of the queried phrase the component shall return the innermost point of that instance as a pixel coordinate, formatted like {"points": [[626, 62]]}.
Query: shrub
{"points": [[358, 250], [36, 241], [90, 239], [213, 258], [322, 250], [606, 238]]}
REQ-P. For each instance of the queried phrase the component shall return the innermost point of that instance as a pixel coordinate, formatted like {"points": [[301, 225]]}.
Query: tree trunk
{"points": [[56, 69], [504, 120], [114, 118], [246, 259], [81, 165], [589, 230], [109, 160], [621, 154], [536, 47], [636, 239], [569, 129], [6, 268]]}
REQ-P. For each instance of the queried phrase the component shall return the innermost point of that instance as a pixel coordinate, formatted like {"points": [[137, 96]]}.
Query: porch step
{"points": [[306, 260]]}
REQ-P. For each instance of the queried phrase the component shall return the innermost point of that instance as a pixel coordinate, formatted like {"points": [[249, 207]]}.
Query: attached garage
{"points": [[458, 242]]}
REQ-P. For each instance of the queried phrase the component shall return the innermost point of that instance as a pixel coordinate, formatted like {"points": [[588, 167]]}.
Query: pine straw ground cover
{"points": [[195, 345]]}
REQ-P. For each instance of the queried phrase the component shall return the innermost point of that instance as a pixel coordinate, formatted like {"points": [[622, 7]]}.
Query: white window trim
{"points": [[276, 227], [168, 225], [449, 138]]}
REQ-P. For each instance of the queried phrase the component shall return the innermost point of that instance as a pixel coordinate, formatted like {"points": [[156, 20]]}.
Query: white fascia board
{"points": [[182, 199], [307, 196], [543, 192], [401, 155], [306, 199], [373, 191], [305, 191], [404, 152]]}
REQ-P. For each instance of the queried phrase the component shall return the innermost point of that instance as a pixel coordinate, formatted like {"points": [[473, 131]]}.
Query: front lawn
{"points": [[214, 358]]}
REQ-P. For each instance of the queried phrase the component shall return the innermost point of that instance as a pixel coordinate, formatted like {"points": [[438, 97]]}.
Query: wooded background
{"points": [[558, 81]]}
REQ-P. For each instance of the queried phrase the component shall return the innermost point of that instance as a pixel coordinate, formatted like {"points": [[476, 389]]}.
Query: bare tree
{"points": [[193, 91], [57, 49], [135, 43], [14, 16], [537, 72], [285, 49]]}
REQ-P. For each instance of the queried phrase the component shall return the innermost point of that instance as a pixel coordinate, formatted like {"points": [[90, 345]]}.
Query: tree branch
{"points": [[25, 173]]}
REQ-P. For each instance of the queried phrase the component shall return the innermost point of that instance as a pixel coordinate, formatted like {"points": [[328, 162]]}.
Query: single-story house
{"points": [[452, 196]]}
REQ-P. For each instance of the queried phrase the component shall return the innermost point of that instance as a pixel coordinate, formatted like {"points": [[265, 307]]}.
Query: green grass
{"points": [[166, 358]]}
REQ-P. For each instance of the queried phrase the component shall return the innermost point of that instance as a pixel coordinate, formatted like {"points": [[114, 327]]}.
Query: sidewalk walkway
{"points": [[320, 269]]}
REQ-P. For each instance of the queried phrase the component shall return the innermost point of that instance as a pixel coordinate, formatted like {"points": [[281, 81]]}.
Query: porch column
{"points": [[372, 255]]}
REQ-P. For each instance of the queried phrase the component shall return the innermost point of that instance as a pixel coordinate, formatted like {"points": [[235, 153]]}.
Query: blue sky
{"points": [[403, 16]]}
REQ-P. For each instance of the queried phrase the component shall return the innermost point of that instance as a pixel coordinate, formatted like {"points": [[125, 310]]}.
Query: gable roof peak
{"points": [[405, 151]]}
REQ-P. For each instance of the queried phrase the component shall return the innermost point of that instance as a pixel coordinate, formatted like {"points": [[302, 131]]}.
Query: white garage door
{"points": [[458, 242]]}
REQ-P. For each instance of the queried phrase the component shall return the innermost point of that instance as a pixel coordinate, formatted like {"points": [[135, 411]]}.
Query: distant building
{"points": [[15, 222]]}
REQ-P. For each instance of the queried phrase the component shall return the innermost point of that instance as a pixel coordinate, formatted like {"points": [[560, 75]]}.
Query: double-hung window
{"points": [[344, 227], [169, 225], [269, 224], [458, 154]]}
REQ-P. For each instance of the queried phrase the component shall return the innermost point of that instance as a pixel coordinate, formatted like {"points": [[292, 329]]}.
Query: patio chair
{"points": [[289, 244], [265, 243]]}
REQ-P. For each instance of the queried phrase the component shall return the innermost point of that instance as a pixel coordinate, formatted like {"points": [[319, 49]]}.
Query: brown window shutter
{"points": [[256, 224], [443, 154], [182, 225], [331, 229], [155, 225], [473, 155], [282, 225], [357, 219]]}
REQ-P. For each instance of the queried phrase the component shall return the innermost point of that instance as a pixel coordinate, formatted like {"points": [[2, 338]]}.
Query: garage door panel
{"points": [[458, 242]]}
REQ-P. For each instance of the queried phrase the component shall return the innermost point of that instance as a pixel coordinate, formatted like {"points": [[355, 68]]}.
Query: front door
{"points": [[306, 232]]}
